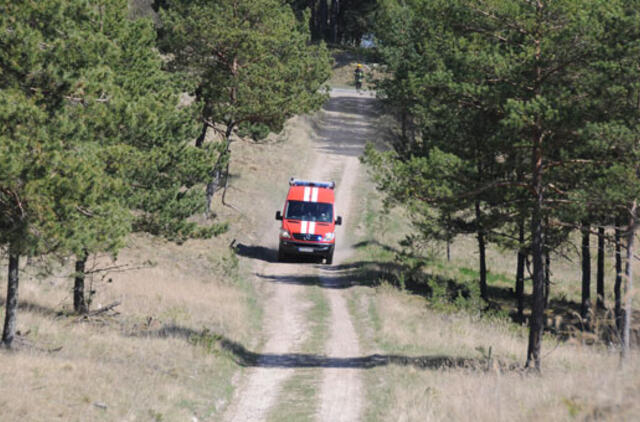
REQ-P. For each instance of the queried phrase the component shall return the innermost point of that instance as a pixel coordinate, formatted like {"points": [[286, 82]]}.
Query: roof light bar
{"points": [[297, 182]]}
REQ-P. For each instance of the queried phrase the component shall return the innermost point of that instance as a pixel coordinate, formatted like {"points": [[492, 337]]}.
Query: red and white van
{"points": [[308, 224]]}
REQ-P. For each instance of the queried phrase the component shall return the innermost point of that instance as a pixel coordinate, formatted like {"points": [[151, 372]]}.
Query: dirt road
{"points": [[343, 126]]}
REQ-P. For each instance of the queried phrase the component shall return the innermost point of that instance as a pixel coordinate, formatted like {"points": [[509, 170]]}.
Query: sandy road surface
{"points": [[343, 128]]}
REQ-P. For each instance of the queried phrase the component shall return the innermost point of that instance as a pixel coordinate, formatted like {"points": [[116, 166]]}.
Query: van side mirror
{"points": [[338, 221], [278, 215]]}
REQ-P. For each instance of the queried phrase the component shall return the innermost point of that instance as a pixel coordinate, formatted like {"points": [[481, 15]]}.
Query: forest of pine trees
{"points": [[518, 123], [95, 138]]}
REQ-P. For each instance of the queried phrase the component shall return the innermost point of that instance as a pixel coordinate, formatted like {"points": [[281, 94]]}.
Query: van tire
{"points": [[281, 255], [329, 258]]}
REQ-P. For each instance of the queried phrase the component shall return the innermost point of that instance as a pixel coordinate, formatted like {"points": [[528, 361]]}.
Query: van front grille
{"points": [[309, 237]]}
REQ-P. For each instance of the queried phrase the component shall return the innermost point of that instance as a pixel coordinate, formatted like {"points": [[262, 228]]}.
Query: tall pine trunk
{"points": [[600, 271], [226, 170], [313, 22], [9, 331], [335, 12], [536, 322], [547, 277], [628, 285], [585, 305], [482, 249], [618, 283], [203, 134], [520, 273], [79, 299], [218, 173], [323, 16]]}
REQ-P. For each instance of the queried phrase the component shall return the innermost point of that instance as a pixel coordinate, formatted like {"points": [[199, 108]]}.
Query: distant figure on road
{"points": [[359, 76]]}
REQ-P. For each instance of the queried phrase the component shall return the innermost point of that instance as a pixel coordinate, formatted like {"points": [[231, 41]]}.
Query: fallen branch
{"points": [[103, 309]]}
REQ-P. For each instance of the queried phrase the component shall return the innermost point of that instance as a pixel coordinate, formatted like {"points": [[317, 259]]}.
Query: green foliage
{"points": [[255, 131], [535, 103], [251, 65], [56, 195], [346, 20], [112, 131], [251, 60], [469, 99]]}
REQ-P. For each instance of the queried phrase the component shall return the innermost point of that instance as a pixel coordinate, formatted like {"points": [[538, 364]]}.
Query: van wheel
{"points": [[329, 258], [281, 255]]}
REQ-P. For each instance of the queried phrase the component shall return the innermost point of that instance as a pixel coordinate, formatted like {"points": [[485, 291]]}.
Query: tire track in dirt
{"points": [[285, 330], [341, 396], [341, 132]]}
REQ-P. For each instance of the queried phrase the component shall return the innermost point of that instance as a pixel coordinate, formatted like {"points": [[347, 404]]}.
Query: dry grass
{"points": [[578, 381], [156, 357], [463, 365], [140, 364]]}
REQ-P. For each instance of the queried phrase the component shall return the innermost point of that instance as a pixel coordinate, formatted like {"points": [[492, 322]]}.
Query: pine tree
{"points": [[252, 64], [95, 140], [542, 76], [144, 132], [50, 182]]}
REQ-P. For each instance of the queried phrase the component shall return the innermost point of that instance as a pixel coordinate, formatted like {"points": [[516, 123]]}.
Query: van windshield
{"points": [[309, 211]]}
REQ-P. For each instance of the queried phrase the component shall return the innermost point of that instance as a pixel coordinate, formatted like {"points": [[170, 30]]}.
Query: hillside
{"points": [[162, 265], [208, 331], [156, 355]]}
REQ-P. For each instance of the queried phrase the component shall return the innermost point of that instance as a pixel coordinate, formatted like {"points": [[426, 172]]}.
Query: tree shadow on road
{"points": [[341, 276], [347, 133], [247, 358], [260, 253]]}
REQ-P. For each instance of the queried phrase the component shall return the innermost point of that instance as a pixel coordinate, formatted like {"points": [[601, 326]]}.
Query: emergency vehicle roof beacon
{"points": [[308, 225]]}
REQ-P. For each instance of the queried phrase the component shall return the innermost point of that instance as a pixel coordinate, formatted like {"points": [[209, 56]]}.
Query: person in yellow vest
{"points": [[359, 76]]}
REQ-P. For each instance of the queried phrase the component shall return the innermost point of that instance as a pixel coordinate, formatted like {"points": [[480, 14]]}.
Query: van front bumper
{"points": [[291, 247]]}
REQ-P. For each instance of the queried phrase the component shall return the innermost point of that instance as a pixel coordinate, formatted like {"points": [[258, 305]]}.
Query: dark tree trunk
{"points": [[203, 134], [335, 12], [448, 222], [520, 273], [313, 21], [79, 300], [536, 323], [226, 170], [585, 306], [482, 253], [323, 16], [600, 271], [628, 285], [11, 306], [547, 277], [226, 184], [618, 282], [218, 173]]}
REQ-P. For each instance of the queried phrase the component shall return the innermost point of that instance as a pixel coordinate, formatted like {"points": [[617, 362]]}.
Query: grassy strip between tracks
{"points": [[299, 396]]}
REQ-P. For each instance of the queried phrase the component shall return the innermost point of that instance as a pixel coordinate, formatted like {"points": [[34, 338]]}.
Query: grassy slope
{"points": [[158, 358], [440, 366]]}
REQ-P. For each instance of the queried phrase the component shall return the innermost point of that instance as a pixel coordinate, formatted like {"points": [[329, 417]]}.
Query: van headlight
{"points": [[285, 234], [329, 236]]}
